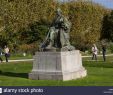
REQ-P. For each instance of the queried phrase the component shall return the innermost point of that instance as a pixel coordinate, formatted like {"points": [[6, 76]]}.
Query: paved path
{"points": [[99, 55], [19, 60], [32, 59]]}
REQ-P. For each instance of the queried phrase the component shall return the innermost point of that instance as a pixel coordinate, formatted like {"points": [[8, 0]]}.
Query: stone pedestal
{"points": [[57, 66]]}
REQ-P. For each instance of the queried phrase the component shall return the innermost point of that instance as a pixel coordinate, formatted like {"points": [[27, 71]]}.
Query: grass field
{"points": [[16, 74], [17, 56]]}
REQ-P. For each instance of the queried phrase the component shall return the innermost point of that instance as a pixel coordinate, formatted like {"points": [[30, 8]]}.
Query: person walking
{"points": [[1, 60], [94, 52], [6, 51], [104, 52]]}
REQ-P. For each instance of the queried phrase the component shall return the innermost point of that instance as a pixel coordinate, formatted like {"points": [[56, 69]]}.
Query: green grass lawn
{"points": [[18, 56], [16, 74], [99, 58]]}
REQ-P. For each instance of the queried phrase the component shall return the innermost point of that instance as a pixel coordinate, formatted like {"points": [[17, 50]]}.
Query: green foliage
{"points": [[27, 21], [110, 47], [34, 32], [18, 21], [107, 30], [86, 18]]}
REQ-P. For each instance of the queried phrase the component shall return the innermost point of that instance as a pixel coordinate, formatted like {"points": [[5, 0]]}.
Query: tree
{"points": [[107, 29], [26, 21], [86, 18], [19, 15]]}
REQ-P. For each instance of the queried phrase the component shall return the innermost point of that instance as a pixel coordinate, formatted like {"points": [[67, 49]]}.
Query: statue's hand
{"points": [[65, 28]]}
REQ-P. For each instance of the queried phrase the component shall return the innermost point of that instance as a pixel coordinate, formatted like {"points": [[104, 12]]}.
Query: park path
{"points": [[32, 59], [99, 55], [19, 60]]}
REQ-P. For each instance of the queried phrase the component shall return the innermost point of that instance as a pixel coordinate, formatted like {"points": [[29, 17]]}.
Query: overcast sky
{"points": [[106, 3]]}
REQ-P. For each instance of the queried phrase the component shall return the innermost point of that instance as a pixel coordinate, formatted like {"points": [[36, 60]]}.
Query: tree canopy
{"points": [[107, 29], [24, 23]]}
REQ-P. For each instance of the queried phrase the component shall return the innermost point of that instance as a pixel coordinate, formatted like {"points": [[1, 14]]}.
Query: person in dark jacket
{"points": [[1, 60], [104, 52]]}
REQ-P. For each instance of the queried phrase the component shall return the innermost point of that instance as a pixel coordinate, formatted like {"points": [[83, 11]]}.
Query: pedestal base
{"points": [[57, 66]]}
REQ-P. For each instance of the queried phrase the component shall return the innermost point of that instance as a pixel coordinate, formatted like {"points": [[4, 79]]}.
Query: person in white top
{"points": [[94, 52], [6, 51]]}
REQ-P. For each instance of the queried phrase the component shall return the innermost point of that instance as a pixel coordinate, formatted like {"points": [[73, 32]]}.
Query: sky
{"points": [[106, 3]]}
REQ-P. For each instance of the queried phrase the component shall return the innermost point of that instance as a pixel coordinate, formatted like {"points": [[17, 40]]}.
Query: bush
{"points": [[110, 47], [31, 48]]}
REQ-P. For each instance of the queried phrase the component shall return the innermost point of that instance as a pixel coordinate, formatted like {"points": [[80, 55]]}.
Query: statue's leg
{"points": [[52, 38], [67, 42], [62, 38], [56, 38]]}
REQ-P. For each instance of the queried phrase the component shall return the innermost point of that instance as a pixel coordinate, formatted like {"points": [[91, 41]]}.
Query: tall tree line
{"points": [[24, 23]]}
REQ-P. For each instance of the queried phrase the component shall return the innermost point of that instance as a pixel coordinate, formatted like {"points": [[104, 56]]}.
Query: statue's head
{"points": [[59, 12]]}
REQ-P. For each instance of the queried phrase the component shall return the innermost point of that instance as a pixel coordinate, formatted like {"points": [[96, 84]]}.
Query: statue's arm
{"points": [[67, 25]]}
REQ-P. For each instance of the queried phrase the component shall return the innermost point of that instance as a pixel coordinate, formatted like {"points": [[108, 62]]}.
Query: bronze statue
{"points": [[58, 35]]}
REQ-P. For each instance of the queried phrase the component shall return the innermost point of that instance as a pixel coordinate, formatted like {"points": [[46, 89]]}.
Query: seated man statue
{"points": [[58, 35]]}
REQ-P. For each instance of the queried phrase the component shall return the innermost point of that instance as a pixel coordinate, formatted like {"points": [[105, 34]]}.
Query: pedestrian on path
{"points": [[7, 54], [1, 55], [94, 52], [104, 52]]}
